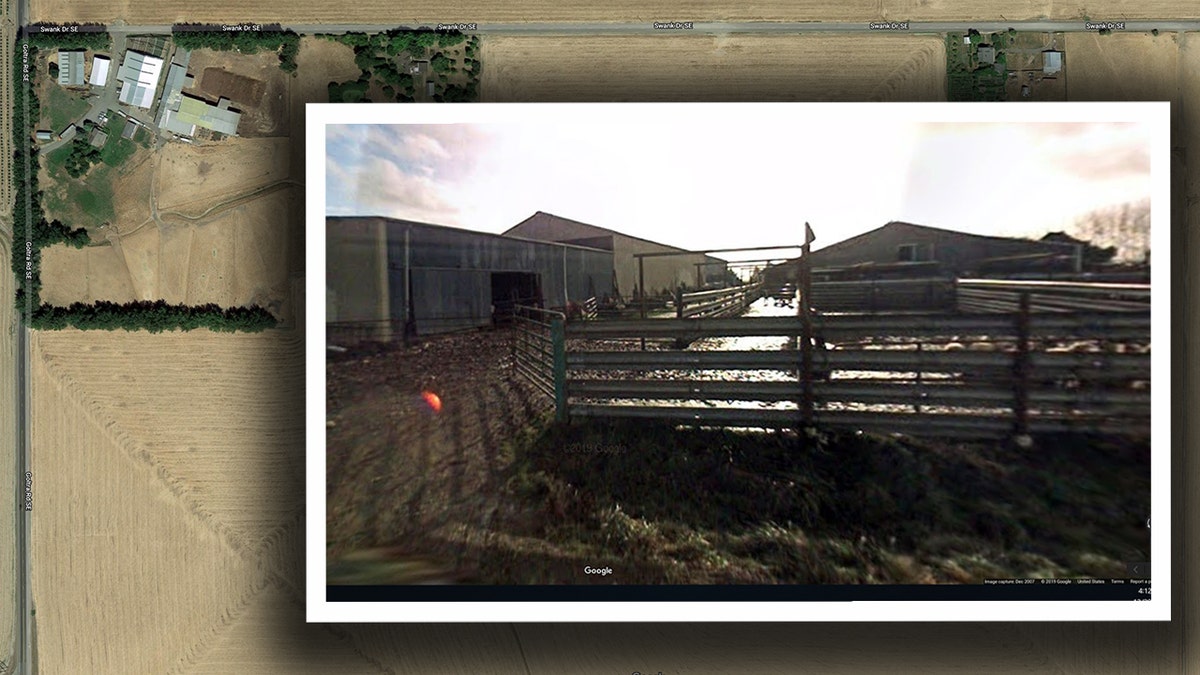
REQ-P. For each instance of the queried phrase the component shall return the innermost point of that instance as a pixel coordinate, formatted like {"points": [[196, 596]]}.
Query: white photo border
{"points": [[724, 116]]}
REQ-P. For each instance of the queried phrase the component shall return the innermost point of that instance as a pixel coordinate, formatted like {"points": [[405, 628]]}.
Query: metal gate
{"points": [[539, 352]]}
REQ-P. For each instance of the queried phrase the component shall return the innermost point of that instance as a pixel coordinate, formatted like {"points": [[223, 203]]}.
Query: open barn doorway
{"points": [[513, 288]]}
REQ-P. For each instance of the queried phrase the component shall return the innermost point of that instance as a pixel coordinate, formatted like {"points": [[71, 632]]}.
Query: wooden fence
{"points": [[886, 295], [983, 376], [714, 303], [994, 295]]}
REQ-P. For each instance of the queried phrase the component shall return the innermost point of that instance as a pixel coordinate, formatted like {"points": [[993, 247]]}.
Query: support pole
{"points": [[1021, 370], [642, 292], [806, 346], [558, 342]]}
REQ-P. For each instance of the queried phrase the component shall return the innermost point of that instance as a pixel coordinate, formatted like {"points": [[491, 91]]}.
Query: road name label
{"points": [[1104, 25], [28, 491], [458, 26], [888, 25], [672, 25], [242, 27]]}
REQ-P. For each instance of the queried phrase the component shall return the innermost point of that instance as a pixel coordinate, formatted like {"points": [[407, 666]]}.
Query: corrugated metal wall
{"points": [[451, 271]]}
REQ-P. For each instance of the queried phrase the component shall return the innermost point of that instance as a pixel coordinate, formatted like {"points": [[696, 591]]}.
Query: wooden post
{"points": [[1021, 369], [680, 343], [642, 292], [806, 401], [558, 340]]}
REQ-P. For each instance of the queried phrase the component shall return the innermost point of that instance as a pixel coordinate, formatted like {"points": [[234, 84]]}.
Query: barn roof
{"points": [[594, 230]]}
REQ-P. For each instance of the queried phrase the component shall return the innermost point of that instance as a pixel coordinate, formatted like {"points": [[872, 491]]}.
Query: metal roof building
{"points": [[199, 113], [1051, 61], [100, 66], [70, 68], [139, 77], [385, 276], [172, 97], [661, 273]]}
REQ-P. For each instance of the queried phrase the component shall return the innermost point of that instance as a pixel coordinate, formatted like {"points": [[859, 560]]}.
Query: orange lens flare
{"points": [[434, 401]]}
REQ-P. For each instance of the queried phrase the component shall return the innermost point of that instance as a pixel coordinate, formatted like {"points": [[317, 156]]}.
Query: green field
{"points": [[116, 150], [60, 108], [77, 202]]}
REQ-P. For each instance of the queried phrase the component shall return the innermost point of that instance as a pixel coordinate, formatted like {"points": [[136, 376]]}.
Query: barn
{"points": [[386, 277], [662, 274], [900, 249]]}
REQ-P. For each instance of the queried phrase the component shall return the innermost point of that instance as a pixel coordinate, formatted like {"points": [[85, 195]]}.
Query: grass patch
{"points": [[117, 150], [83, 202], [62, 108], [665, 506]]}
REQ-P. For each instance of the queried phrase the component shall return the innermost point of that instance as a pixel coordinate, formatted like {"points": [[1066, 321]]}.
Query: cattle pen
{"points": [[999, 360]]}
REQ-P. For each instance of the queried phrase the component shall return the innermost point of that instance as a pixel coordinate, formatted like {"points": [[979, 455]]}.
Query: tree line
{"points": [[285, 43]]}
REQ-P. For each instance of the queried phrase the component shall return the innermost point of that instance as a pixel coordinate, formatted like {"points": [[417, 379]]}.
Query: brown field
{"points": [[387, 12], [254, 82], [1124, 67], [169, 509], [319, 62], [193, 178], [8, 412], [735, 68], [222, 233], [87, 274]]}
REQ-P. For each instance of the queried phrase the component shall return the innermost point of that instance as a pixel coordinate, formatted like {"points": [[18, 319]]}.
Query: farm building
{"points": [[195, 112], [1051, 62], [906, 250], [100, 65], [661, 273], [70, 68], [44, 135], [385, 276], [139, 78]]}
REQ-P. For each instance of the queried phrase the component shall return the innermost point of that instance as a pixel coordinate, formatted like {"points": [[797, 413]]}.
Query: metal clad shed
{"points": [[100, 66], [384, 271]]}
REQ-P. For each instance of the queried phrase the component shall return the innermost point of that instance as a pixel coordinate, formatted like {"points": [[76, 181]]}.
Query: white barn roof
{"points": [[139, 77], [100, 65]]}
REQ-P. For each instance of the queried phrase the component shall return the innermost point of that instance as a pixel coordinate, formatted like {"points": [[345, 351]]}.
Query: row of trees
{"points": [[155, 316], [30, 225], [285, 43], [377, 57]]}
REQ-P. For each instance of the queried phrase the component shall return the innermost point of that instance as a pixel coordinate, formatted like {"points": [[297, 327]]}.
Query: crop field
{"points": [[704, 68], [1125, 67], [168, 510], [87, 274], [386, 12]]}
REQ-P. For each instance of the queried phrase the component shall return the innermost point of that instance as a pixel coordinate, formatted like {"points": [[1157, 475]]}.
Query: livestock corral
{"points": [[919, 448]]}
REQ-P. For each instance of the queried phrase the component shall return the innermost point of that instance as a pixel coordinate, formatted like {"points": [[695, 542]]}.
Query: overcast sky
{"points": [[688, 185]]}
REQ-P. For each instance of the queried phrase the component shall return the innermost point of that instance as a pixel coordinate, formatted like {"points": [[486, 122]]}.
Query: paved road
{"points": [[726, 28], [24, 648]]}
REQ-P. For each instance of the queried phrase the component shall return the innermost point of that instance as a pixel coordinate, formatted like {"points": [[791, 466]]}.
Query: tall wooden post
{"points": [[806, 346], [642, 291], [1021, 369]]}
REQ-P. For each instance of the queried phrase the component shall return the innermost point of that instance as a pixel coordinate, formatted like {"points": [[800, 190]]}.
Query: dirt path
{"points": [[400, 474]]}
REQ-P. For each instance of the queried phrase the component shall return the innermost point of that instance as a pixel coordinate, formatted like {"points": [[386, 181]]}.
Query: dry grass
{"points": [[703, 68], [222, 234], [84, 275], [168, 508], [1124, 67], [386, 12], [193, 178]]}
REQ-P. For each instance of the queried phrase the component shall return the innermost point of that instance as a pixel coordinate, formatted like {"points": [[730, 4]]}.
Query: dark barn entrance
{"points": [[514, 288]]}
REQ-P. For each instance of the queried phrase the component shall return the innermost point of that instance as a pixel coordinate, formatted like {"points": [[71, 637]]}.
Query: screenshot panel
{"points": [[737, 362]]}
